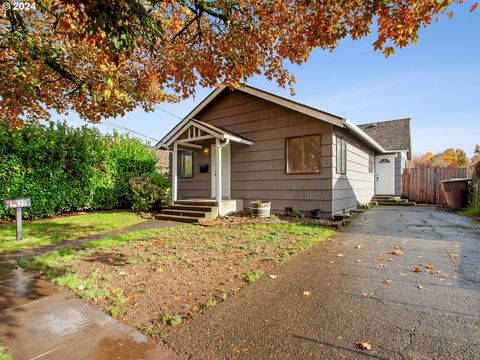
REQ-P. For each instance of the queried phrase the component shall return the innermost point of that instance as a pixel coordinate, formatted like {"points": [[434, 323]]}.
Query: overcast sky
{"points": [[435, 82]]}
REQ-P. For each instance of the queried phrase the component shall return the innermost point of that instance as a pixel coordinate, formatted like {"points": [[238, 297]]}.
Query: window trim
{"points": [[179, 166], [371, 163], [343, 151], [286, 154]]}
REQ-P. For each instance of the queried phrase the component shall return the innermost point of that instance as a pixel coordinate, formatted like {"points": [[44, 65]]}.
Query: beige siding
{"points": [[258, 171], [357, 186]]}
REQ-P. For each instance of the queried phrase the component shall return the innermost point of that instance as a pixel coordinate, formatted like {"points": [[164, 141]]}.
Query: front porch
{"points": [[202, 186]]}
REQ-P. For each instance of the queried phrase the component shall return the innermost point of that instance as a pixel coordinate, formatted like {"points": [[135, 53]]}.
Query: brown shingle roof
{"points": [[391, 134]]}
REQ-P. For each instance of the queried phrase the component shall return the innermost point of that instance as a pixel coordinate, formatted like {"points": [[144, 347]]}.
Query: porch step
{"points": [[208, 215], [390, 200], [178, 218], [197, 202], [192, 207]]}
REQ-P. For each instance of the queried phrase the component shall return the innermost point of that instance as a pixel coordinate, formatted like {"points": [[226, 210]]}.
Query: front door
{"points": [[225, 172], [385, 174]]}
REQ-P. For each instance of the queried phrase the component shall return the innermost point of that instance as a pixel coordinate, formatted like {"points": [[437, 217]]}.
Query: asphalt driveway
{"points": [[405, 279]]}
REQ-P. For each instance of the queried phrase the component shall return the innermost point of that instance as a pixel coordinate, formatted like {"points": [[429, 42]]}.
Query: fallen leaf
{"points": [[396, 252], [364, 345], [420, 286], [417, 270], [340, 255], [387, 282], [307, 293], [272, 276], [357, 247], [429, 266], [357, 260]]}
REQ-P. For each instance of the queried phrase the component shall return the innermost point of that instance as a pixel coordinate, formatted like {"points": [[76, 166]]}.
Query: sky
{"points": [[435, 82]]}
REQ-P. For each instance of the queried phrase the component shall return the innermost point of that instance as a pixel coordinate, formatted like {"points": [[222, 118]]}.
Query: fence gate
{"points": [[422, 185]]}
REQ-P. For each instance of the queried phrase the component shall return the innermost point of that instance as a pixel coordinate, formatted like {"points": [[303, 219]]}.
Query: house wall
{"points": [[258, 171], [358, 185]]}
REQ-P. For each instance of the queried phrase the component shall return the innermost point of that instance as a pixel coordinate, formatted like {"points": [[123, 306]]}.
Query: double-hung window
{"points": [[304, 154], [341, 156]]}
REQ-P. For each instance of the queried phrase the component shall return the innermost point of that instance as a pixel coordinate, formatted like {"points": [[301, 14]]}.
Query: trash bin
{"points": [[456, 192]]}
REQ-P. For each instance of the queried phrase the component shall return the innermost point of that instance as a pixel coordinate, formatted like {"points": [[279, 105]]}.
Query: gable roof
{"points": [[391, 134], [293, 105]]}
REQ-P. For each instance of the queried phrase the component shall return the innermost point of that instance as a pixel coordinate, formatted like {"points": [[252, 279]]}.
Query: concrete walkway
{"points": [[359, 292], [42, 321]]}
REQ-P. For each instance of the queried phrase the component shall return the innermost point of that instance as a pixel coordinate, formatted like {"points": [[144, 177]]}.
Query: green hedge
{"points": [[67, 169]]}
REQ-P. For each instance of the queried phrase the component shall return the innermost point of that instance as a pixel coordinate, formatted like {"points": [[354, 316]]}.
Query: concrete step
{"points": [[194, 208], [185, 219], [197, 202], [198, 214], [386, 197], [398, 203]]}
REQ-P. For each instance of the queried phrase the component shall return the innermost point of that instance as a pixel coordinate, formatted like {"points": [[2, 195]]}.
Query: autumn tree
{"points": [[102, 58], [448, 158]]}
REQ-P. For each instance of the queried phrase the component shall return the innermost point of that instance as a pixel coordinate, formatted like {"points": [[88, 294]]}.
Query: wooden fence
{"points": [[422, 185]]}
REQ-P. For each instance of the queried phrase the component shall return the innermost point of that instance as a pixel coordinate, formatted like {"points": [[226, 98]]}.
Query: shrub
{"points": [[149, 190], [67, 169]]}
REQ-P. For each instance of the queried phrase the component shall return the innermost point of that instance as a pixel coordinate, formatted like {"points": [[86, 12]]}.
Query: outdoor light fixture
{"points": [[206, 150]]}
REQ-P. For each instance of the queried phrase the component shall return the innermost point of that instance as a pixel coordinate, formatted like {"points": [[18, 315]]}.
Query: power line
{"points": [[127, 129], [168, 112]]}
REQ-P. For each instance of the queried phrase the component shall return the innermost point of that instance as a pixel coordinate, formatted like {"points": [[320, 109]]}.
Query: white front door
{"points": [[225, 172], [385, 174]]}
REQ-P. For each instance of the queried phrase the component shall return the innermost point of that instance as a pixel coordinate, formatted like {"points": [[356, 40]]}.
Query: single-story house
{"points": [[246, 144]]}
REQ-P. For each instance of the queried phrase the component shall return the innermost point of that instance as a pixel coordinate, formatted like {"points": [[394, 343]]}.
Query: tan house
{"points": [[245, 145]]}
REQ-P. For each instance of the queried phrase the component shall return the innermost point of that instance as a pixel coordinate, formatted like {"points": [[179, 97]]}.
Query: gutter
{"points": [[348, 124]]}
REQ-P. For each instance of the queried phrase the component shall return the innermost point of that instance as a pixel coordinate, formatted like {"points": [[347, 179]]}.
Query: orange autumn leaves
{"points": [[102, 59]]}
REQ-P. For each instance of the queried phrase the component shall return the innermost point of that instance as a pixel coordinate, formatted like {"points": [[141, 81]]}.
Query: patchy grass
{"points": [[49, 231], [145, 277], [5, 353], [252, 276], [473, 212]]}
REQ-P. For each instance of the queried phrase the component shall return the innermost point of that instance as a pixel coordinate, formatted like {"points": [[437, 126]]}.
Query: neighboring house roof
{"points": [[293, 105], [391, 134]]}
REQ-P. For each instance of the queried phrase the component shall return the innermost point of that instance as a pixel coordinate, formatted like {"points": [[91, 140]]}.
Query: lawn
{"points": [[48, 231], [159, 278]]}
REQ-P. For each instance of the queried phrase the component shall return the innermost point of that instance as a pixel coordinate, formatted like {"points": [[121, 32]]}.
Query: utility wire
{"points": [[136, 132], [127, 129]]}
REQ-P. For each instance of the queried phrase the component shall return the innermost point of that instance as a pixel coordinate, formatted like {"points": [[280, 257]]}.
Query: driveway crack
{"points": [[411, 336]]}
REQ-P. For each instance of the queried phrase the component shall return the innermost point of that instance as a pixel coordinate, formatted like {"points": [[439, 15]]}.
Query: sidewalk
{"points": [[41, 321]]}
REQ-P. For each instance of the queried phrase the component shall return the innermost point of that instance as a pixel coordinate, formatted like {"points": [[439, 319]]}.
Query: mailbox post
{"points": [[18, 204]]}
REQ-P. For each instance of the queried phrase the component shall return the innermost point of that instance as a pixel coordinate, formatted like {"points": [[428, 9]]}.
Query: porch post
{"points": [[218, 179], [174, 172]]}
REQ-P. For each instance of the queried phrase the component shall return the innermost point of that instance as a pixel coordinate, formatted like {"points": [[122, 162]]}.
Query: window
{"points": [[341, 156], [371, 163], [185, 163], [304, 155]]}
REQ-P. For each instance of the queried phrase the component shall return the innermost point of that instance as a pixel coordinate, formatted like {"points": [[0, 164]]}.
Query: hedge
{"points": [[66, 169]]}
